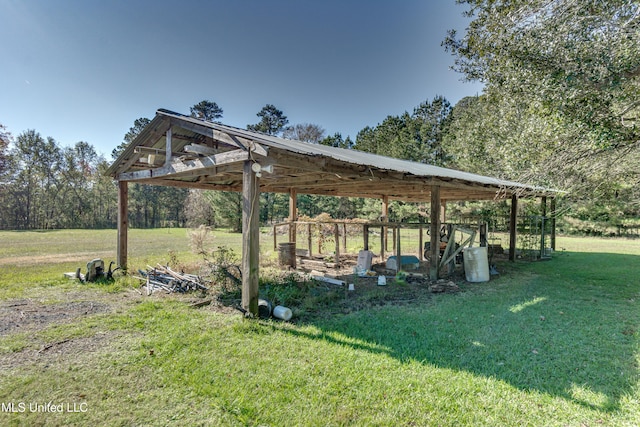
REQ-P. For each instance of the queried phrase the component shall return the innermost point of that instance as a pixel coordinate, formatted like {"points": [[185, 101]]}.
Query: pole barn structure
{"points": [[182, 151]]}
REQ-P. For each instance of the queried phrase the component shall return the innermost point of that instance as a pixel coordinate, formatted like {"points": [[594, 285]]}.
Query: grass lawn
{"points": [[553, 343]]}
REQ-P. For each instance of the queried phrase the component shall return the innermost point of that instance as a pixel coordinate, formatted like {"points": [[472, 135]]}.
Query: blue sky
{"points": [[84, 70]]}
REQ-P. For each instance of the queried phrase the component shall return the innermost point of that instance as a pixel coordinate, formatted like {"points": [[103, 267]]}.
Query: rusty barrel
{"points": [[287, 254]]}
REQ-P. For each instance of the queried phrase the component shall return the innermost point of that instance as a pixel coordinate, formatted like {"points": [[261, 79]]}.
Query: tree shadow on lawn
{"points": [[567, 327]]}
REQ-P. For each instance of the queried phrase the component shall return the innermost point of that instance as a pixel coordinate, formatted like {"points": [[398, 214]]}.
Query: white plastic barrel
{"points": [[476, 264], [281, 312]]}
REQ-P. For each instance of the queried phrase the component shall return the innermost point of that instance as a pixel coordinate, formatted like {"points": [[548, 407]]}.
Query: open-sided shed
{"points": [[182, 151]]}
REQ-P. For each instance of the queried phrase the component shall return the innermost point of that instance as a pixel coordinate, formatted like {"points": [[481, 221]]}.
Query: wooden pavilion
{"points": [[182, 151]]}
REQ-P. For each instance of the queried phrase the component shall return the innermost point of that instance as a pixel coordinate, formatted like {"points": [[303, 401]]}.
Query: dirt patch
{"points": [[27, 314], [37, 313], [65, 351]]}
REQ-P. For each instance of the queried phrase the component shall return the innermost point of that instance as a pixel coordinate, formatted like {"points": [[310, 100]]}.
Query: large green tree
{"points": [[272, 120], [206, 110], [562, 77], [417, 136], [138, 126]]}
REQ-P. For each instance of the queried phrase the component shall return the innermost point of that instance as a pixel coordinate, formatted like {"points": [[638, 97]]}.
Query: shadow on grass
{"points": [[568, 327]]}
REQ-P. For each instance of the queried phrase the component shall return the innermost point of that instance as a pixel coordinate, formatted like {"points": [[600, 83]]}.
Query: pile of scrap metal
{"points": [[95, 272], [163, 278]]}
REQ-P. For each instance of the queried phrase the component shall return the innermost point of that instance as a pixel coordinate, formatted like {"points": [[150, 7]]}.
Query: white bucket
{"points": [[281, 312], [476, 264], [382, 281]]}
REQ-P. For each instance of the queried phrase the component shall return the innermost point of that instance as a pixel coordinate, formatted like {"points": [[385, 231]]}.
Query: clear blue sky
{"points": [[84, 70]]}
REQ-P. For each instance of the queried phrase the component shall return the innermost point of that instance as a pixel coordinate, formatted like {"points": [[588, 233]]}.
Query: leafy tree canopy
{"points": [[574, 60], [336, 140], [206, 110], [138, 126], [562, 93], [416, 136], [272, 121]]}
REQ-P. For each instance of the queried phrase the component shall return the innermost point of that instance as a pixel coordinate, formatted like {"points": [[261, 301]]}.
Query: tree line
{"points": [[559, 109]]}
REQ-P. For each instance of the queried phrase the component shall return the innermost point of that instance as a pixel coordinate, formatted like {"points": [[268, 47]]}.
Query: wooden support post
{"points": [[543, 225], [169, 149], [123, 223], [398, 250], [309, 239], [513, 227], [275, 238], [385, 218], [336, 235], [435, 233], [553, 223], [365, 234], [293, 214], [421, 242], [443, 211], [393, 238], [344, 237], [482, 228], [382, 242], [250, 239], [320, 238]]}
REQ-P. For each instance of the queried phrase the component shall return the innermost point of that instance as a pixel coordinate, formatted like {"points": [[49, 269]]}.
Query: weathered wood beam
{"points": [[553, 223], [154, 135], [188, 167], [156, 151], [293, 214], [123, 223], [250, 239], [435, 233], [200, 149], [385, 218], [224, 137], [191, 184], [168, 148], [513, 227]]}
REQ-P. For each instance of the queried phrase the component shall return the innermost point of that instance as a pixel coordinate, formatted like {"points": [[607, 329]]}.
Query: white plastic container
{"points": [[382, 281], [476, 264], [281, 312], [364, 260]]}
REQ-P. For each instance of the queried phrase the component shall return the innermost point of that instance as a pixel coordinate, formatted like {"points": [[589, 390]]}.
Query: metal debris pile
{"points": [[163, 278]]}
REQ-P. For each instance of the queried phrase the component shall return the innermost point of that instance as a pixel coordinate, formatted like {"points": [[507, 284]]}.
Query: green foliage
{"points": [[206, 110], [281, 288], [560, 101], [417, 137], [138, 126], [336, 140], [272, 121], [227, 209], [224, 271]]}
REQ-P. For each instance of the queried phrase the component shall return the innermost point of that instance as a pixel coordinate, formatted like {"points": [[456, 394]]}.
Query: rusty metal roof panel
{"points": [[152, 135]]}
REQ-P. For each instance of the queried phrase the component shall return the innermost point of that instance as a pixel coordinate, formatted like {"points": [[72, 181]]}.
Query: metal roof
{"points": [[208, 155]]}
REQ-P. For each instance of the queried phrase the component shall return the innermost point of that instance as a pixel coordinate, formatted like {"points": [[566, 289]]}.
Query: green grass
{"points": [[553, 343]]}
